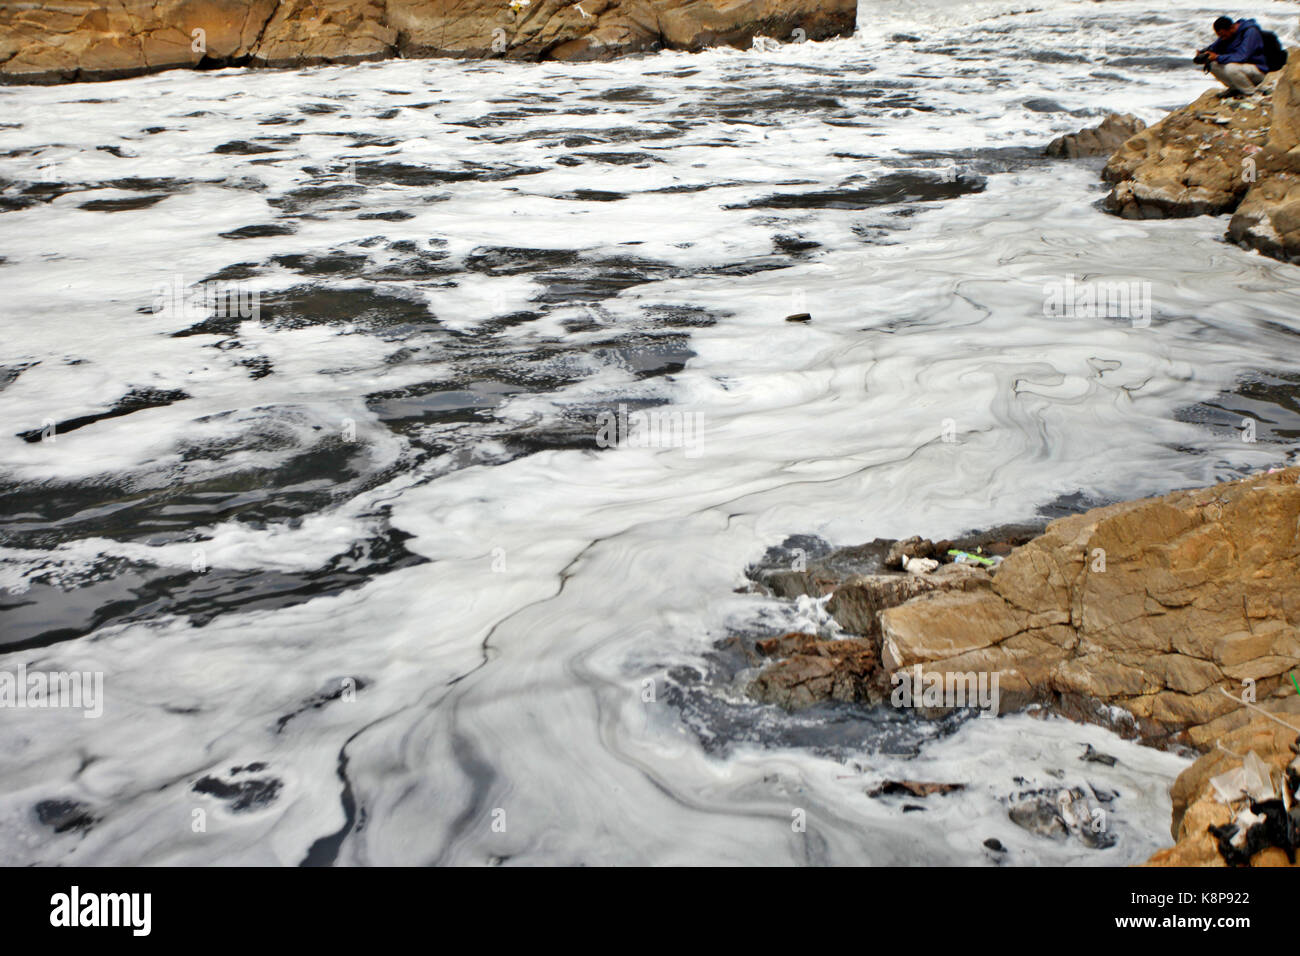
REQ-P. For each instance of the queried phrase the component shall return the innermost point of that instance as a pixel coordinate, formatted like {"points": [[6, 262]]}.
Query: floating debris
{"points": [[1096, 756], [891, 788], [965, 557], [1271, 816], [1061, 814], [919, 565]]}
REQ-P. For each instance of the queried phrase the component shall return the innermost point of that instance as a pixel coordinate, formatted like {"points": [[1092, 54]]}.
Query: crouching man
{"points": [[1237, 58]]}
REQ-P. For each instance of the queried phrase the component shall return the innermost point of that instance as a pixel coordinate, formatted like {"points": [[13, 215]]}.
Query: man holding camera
{"points": [[1237, 58]]}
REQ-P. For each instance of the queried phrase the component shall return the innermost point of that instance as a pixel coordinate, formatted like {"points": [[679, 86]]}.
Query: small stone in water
{"points": [[1096, 756], [799, 317]]}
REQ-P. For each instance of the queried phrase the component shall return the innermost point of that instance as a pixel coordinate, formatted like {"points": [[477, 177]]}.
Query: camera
{"points": [[1201, 58]]}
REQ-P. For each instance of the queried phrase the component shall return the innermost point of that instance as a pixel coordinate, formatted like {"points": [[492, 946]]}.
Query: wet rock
{"points": [[914, 547], [912, 788], [795, 642], [858, 576], [995, 845], [858, 601], [62, 816], [1038, 815], [1061, 815], [1096, 756], [1103, 139], [813, 671], [799, 317], [803, 564]]}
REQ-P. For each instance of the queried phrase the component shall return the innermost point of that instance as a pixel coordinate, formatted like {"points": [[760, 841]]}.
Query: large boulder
{"points": [[79, 39], [1197, 160], [313, 32], [1151, 609], [1268, 218], [52, 41], [1220, 155]]}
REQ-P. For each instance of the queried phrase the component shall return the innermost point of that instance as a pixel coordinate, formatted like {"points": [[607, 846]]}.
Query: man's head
{"points": [[1225, 27]]}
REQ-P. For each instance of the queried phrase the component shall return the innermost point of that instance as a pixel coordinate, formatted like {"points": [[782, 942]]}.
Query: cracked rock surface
{"points": [[1218, 156]]}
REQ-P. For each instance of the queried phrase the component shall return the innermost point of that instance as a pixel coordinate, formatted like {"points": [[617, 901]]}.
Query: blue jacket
{"points": [[1244, 46]]}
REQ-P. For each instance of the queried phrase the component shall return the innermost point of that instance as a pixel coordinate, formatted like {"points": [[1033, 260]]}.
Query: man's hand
{"points": [[1211, 57]]}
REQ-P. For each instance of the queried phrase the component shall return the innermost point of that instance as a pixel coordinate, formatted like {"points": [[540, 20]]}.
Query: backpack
{"points": [[1274, 55]]}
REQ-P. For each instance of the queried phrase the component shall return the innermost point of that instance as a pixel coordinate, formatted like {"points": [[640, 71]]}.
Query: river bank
{"points": [[1217, 156], [1169, 620], [81, 40]]}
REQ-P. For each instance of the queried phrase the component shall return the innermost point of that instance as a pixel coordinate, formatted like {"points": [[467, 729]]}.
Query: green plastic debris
{"points": [[973, 558]]}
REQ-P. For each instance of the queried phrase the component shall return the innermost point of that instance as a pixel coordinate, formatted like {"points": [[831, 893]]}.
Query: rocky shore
{"points": [[57, 41], [1173, 620], [1218, 156]]}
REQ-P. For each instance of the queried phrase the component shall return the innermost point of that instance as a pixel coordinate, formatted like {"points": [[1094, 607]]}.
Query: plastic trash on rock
{"points": [[919, 565], [1252, 779]]}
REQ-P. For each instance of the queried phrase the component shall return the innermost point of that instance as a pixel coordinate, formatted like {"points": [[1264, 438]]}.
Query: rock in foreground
{"points": [[1155, 607]]}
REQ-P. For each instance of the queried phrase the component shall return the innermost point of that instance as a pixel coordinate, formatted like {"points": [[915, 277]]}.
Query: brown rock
{"points": [[1153, 606], [857, 602], [1099, 140], [1217, 156], [1268, 219], [946, 625], [52, 41], [817, 671], [1269, 216], [1191, 162], [795, 642], [1099, 676]]}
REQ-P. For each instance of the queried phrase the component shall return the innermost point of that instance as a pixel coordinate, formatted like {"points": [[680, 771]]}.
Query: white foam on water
{"points": [[505, 680]]}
